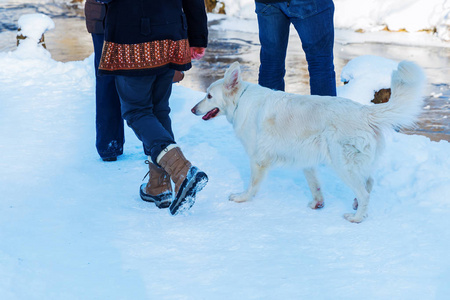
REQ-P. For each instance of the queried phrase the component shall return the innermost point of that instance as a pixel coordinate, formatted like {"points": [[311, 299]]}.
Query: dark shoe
{"points": [[113, 158], [178, 76], [188, 179], [158, 189]]}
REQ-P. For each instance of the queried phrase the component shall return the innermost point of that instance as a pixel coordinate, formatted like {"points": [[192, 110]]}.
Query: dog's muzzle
{"points": [[209, 115]]}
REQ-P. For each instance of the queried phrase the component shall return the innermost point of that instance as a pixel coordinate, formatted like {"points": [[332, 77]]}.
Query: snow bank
{"points": [[240, 8], [411, 15], [366, 75], [370, 16], [34, 25]]}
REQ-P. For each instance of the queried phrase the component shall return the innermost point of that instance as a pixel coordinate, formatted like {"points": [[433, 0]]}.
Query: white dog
{"points": [[303, 130]]}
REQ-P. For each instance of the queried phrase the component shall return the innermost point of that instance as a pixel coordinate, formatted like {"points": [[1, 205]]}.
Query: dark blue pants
{"points": [[108, 119], [145, 107], [313, 20]]}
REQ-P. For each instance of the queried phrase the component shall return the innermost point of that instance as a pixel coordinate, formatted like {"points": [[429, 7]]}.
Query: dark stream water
{"points": [[70, 41]]}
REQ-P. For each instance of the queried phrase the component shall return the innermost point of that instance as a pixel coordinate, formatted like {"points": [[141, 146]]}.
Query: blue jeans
{"points": [[108, 119], [145, 107], [313, 20]]}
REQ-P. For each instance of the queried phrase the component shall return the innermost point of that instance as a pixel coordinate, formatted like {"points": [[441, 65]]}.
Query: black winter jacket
{"points": [[142, 37], [95, 13]]}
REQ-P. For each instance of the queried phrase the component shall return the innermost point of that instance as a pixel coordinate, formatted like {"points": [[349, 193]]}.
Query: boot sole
{"points": [[162, 201], [185, 199]]}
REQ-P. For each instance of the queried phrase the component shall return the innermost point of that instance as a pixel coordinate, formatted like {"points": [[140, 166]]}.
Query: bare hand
{"points": [[197, 52]]}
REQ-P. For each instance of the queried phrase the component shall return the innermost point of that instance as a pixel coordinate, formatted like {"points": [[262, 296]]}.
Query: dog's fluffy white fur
{"points": [[304, 130]]}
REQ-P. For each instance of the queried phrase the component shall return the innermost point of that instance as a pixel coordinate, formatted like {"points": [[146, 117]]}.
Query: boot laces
{"points": [[147, 162], [160, 179]]}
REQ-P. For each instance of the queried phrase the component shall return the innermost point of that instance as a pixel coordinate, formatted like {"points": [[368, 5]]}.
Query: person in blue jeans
{"points": [[108, 118], [313, 20]]}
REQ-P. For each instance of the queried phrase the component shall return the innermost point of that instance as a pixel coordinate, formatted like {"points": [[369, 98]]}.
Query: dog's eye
{"points": [[209, 96]]}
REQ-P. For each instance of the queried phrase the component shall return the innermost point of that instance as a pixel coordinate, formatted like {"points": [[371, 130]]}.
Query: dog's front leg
{"points": [[258, 172], [314, 186]]}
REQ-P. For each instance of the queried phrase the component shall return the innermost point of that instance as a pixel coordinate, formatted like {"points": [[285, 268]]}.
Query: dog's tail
{"points": [[405, 103]]}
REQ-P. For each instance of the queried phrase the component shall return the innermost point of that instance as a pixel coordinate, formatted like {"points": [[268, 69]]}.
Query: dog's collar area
{"points": [[237, 100]]}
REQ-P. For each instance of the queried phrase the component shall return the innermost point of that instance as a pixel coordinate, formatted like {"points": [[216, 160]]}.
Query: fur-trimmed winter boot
{"points": [[158, 189], [188, 179]]}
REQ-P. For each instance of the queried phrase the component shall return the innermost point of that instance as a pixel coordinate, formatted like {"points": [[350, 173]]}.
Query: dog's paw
{"points": [[316, 204], [240, 197], [353, 218], [355, 204]]}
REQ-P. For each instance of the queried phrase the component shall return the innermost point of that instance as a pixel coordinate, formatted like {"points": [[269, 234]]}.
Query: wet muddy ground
{"points": [[69, 41]]}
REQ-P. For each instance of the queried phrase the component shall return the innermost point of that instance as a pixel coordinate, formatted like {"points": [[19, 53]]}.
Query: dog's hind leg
{"points": [[358, 185], [258, 172], [352, 159], [314, 186], [369, 186]]}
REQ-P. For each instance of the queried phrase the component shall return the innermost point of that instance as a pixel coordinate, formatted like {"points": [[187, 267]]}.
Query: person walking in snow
{"points": [[313, 20], [145, 42], [108, 119]]}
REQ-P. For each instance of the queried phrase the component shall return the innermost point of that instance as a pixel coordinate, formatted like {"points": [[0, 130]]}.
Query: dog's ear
{"points": [[232, 77]]}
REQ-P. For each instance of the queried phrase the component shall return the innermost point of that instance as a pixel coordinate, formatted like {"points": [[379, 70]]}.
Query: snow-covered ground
{"points": [[74, 227]]}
